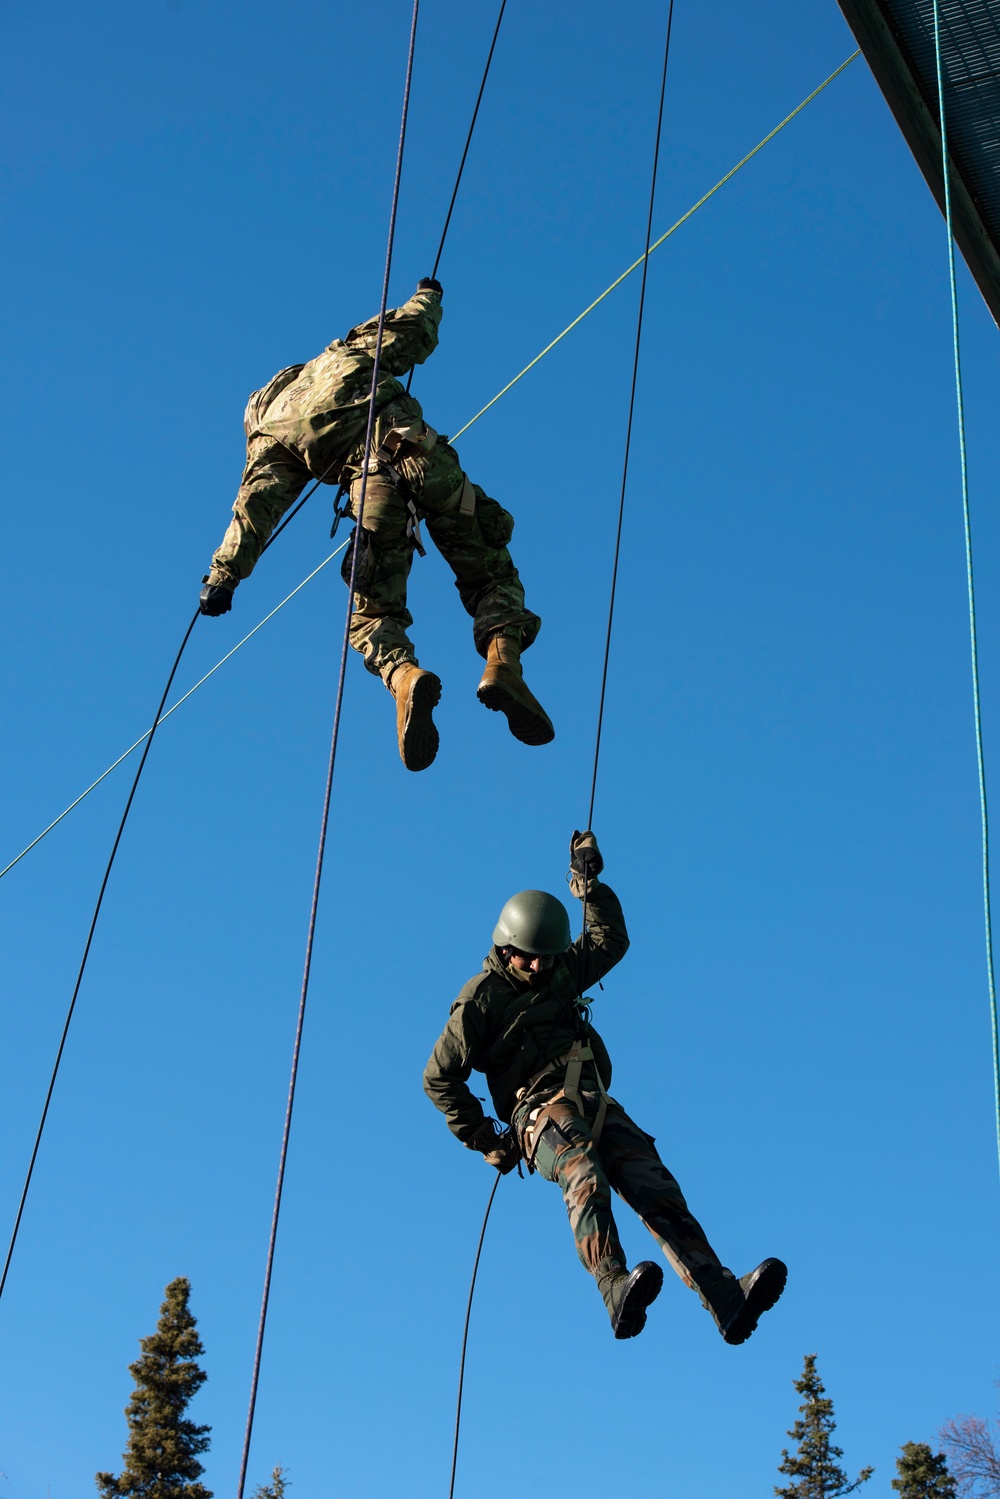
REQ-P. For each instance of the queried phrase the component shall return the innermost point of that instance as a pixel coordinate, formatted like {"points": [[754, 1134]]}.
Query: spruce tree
{"points": [[161, 1458], [923, 1474], [814, 1466], [276, 1488]]}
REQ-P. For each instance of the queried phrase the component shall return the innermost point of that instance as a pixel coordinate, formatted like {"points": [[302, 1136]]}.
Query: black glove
{"points": [[214, 599], [427, 283], [585, 861], [497, 1146]]}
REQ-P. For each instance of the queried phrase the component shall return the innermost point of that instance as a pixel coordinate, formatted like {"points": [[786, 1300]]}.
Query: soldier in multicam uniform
{"points": [[310, 422], [523, 1022]]}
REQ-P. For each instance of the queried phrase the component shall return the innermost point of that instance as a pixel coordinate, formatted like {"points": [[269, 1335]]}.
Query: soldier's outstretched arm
{"points": [[272, 481], [606, 940]]}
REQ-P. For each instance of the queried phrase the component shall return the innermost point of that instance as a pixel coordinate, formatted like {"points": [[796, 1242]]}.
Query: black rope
{"points": [[631, 412], [86, 955], [324, 821], [468, 138], [465, 1338], [293, 513], [584, 934], [465, 152], [437, 259]]}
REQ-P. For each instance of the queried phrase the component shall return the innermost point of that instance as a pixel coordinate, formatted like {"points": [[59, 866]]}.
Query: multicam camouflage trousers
{"points": [[471, 539], [473, 544], [626, 1159]]}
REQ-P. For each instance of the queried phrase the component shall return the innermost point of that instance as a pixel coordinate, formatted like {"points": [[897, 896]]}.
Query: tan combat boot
{"points": [[417, 693], [504, 690]]}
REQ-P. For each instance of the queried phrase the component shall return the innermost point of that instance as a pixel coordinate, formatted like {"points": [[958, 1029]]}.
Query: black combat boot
{"points": [[737, 1305], [627, 1296]]}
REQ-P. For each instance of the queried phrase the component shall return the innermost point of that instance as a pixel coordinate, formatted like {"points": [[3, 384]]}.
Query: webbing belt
{"points": [[467, 504], [421, 436], [418, 433], [574, 1059]]}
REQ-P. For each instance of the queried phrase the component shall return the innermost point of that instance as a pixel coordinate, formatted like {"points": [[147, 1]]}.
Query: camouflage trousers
{"points": [[472, 540], [626, 1159]]}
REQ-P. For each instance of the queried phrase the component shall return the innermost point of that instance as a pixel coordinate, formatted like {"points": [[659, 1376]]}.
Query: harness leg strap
{"points": [[570, 1090], [413, 527], [417, 435]]}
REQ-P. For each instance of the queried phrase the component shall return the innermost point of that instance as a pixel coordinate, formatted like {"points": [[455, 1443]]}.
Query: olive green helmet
{"points": [[533, 922]]}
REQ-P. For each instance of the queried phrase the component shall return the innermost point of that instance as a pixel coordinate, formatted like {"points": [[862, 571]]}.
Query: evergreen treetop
{"points": [[161, 1458], [923, 1474], [815, 1465], [276, 1488]]}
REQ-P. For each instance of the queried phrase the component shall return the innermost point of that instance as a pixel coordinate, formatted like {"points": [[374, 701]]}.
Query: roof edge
{"points": [[917, 119]]}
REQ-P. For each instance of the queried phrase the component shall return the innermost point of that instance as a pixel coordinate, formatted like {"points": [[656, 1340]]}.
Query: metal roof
{"points": [[897, 38]]}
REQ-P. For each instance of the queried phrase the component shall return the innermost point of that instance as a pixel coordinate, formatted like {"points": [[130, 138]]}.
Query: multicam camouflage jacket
{"points": [[507, 1030], [323, 407]]}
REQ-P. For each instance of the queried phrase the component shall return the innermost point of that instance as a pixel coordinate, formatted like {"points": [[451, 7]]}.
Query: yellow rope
{"points": [[721, 183], [663, 237]]}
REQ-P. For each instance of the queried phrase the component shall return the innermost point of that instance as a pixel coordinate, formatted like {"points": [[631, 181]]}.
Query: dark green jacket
{"points": [[509, 1031]]}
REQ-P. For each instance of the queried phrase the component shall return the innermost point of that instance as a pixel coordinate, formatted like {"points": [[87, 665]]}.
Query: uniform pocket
{"points": [[496, 523], [368, 558]]}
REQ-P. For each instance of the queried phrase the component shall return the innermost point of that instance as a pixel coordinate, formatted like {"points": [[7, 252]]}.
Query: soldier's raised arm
{"points": [[410, 334], [606, 941]]}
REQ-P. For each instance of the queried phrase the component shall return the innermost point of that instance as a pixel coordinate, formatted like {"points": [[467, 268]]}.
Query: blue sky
{"points": [[198, 195]]}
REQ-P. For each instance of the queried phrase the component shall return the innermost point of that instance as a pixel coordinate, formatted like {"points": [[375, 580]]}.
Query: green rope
{"points": [[662, 240], [963, 455], [103, 777]]}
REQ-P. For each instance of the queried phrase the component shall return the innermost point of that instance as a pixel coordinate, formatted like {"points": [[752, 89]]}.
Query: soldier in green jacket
{"points": [[523, 1021], [310, 421]]}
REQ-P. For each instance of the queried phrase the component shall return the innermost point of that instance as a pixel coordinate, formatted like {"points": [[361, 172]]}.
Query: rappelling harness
{"points": [[422, 436], [531, 1132]]}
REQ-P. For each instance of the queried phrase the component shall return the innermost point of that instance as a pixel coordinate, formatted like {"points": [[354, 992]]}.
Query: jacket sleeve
{"points": [[452, 1061], [606, 941], [410, 335]]}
